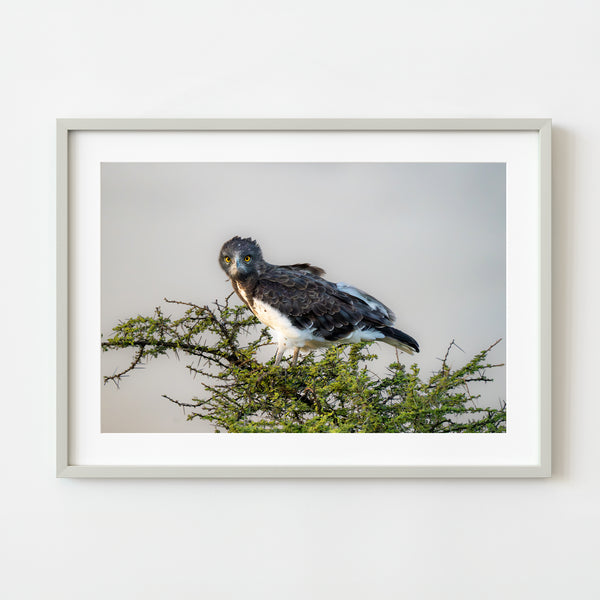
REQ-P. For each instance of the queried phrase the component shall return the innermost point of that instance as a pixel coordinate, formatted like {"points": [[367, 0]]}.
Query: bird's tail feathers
{"points": [[400, 340]]}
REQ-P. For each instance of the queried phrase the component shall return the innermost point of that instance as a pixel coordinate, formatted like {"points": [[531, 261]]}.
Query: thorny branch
{"points": [[116, 377], [332, 392]]}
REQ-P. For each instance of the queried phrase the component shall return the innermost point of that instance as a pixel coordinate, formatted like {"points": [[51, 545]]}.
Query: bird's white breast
{"points": [[288, 334], [273, 318]]}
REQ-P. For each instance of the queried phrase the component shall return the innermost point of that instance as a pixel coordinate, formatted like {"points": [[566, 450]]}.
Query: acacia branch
{"points": [[182, 404], [332, 391], [116, 377]]}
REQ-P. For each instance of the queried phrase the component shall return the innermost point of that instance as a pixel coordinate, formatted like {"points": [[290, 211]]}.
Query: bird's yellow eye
{"points": [[227, 259], [247, 258]]}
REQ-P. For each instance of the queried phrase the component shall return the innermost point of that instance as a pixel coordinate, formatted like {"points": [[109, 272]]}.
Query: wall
{"points": [[295, 539]]}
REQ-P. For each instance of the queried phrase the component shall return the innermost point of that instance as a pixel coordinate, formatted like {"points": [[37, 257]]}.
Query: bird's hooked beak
{"points": [[234, 268]]}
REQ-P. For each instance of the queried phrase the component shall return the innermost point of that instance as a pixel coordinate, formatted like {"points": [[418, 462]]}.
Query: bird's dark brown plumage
{"points": [[331, 312]]}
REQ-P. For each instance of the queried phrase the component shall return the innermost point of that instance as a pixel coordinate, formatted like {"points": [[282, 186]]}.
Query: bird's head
{"points": [[241, 258]]}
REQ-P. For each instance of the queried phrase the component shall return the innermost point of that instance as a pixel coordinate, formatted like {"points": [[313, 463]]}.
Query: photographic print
{"points": [[305, 297]]}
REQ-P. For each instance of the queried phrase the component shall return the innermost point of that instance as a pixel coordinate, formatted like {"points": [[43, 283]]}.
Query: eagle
{"points": [[301, 308]]}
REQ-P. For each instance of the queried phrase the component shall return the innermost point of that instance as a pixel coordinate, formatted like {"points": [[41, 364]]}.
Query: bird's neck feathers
{"points": [[245, 279], [249, 278]]}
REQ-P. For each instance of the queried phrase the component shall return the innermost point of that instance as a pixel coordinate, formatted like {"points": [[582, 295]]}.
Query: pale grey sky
{"points": [[426, 239]]}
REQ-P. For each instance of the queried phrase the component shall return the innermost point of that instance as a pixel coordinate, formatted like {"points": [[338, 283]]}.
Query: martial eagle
{"points": [[302, 309]]}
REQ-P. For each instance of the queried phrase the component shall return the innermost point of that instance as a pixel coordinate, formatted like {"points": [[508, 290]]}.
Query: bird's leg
{"points": [[280, 349], [295, 358]]}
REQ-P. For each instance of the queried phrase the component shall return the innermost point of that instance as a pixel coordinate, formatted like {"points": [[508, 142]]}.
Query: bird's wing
{"points": [[306, 267], [313, 303], [375, 304]]}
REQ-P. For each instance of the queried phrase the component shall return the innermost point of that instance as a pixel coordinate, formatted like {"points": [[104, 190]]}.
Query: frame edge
{"points": [[62, 303], [298, 472], [545, 283], [299, 124]]}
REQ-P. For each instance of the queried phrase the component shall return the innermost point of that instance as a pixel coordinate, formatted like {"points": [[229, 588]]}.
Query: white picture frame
{"points": [[527, 456]]}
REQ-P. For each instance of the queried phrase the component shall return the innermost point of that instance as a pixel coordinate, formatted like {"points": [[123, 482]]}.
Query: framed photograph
{"points": [[303, 298]]}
